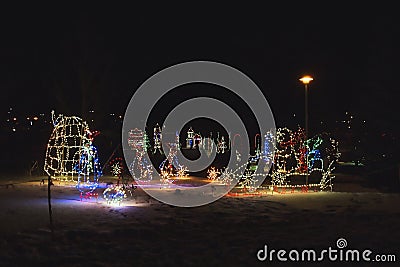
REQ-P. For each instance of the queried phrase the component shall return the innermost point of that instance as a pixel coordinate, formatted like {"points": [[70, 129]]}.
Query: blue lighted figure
{"points": [[268, 150], [88, 169], [314, 154]]}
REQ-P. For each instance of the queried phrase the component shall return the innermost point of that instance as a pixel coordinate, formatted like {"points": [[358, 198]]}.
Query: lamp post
{"points": [[306, 80]]}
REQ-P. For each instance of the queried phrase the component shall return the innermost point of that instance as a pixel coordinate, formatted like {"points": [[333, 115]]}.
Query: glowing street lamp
{"points": [[306, 80]]}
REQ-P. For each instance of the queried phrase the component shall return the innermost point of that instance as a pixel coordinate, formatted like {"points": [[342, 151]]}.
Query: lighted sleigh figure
{"points": [[300, 163], [293, 159]]}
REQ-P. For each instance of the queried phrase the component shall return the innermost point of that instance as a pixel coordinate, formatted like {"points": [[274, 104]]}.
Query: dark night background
{"points": [[88, 59], [74, 59]]}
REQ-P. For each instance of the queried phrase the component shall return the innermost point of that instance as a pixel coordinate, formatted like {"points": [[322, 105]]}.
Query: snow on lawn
{"points": [[145, 232]]}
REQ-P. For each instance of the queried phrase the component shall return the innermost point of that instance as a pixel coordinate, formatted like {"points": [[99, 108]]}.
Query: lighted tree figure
{"points": [[146, 143]]}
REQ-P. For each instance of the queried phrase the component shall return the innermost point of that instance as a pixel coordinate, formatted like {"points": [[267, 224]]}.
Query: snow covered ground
{"points": [[228, 232]]}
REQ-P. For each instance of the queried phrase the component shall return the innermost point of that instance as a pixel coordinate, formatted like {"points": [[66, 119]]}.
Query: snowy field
{"points": [[228, 232]]}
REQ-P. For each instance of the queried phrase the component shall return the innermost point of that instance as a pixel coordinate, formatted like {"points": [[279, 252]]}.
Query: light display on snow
{"points": [[182, 172], [221, 146], [117, 170], [135, 139], [88, 169], [166, 175], [157, 139], [257, 144], [207, 145], [248, 181], [292, 158], [178, 145], [292, 152], [193, 140], [117, 167], [227, 177], [289, 162], [114, 194], [140, 168], [190, 138], [70, 135], [212, 173], [269, 144], [170, 168], [238, 156], [146, 143], [237, 146], [197, 140], [70, 153]]}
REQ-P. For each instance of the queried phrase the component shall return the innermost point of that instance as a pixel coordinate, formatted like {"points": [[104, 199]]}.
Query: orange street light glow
{"points": [[306, 79]]}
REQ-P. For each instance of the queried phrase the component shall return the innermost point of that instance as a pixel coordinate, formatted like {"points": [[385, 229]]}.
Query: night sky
{"points": [[77, 58]]}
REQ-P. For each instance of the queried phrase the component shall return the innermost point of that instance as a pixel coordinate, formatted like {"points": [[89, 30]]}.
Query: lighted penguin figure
{"points": [[70, 135]]}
